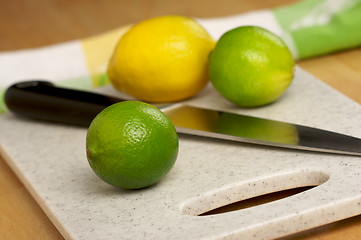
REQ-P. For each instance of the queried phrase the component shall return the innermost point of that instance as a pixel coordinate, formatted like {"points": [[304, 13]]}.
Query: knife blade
{"points": [[43, 100]]}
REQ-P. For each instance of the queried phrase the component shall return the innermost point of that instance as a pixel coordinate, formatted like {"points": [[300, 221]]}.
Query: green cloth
{"points": [[318, 27]]}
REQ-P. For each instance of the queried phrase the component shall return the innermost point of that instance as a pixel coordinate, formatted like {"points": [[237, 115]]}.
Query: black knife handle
{"points": [[43, 100]]}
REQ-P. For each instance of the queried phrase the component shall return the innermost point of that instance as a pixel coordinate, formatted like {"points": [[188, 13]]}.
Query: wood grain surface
{"points": [[28, 24]]}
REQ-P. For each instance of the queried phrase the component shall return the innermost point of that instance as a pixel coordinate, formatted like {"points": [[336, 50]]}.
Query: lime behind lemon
{"points": [[131, 145], [251, 66]]}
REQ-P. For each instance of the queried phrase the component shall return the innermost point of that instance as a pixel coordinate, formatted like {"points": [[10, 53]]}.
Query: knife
{"points": [[44, 101]]}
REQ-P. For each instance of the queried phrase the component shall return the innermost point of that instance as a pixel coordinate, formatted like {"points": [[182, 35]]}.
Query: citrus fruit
{"points": [[251, 66], [162, 59], [131, 145]]}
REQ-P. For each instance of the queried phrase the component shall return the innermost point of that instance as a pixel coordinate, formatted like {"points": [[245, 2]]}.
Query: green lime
{"points": [[131, 145], [251, 66]]}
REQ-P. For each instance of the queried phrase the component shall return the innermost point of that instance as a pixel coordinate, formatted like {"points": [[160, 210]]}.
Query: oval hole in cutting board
{"points": [[239, 195], [259, 200]]}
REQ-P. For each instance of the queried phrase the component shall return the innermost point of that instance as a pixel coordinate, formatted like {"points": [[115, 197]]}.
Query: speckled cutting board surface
{"points": [[50, 160]]}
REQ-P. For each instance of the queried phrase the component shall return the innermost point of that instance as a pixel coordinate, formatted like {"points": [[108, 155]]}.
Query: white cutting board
{"points": [[50, 160]]}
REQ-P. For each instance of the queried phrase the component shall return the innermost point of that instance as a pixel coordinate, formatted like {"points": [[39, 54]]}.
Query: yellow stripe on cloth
{"points": [[98, 50]]}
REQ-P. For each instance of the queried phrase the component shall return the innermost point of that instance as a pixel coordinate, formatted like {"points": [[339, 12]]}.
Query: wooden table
{"points": [[27, 24]]}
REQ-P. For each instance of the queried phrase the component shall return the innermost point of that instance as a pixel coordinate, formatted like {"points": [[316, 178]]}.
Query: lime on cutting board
{"points": [[251, 66], [131, 145]]}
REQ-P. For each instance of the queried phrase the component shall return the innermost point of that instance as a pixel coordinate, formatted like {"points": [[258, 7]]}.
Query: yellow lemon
{"points": [[163, 59]]}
